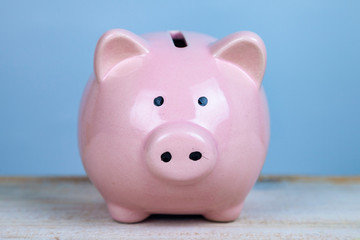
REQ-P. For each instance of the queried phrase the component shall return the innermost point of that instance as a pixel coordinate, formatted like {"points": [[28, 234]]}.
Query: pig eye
{"points": [[202, 101], [158, 101]]}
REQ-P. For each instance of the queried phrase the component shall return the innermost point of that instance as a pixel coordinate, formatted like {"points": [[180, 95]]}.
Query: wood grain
{"points": [[276, 208]]}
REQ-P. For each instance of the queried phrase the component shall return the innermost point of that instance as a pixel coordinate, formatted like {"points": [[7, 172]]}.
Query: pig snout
{"points": [[181, 152]]}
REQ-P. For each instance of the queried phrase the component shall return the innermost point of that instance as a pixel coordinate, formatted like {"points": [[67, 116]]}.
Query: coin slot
{"points": [[178, 39]]}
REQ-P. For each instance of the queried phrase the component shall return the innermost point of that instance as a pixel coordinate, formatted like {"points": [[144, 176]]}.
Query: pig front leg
{"points": [[224, 215], [126, 215]]}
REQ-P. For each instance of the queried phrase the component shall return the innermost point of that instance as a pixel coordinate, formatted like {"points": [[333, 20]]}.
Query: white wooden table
{"points": [[277, 208]]}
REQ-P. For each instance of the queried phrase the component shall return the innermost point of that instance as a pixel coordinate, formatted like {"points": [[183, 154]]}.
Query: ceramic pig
{"points": [[175, 123]]}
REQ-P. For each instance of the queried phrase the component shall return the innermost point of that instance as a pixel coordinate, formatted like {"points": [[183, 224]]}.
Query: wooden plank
{"points": [[276, 208]]}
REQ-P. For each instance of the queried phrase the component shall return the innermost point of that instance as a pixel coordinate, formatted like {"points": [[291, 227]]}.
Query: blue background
{"points": [[312, 77]]}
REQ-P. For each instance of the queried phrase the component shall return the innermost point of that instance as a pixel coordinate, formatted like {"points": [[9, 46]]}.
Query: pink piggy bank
{"points": [[175, 123]]}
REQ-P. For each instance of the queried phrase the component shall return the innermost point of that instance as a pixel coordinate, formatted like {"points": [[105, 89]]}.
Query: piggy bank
{"points": [[175, 123]]}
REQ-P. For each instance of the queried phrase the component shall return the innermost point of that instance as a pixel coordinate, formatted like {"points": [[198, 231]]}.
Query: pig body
{"points": [[172, 129]]}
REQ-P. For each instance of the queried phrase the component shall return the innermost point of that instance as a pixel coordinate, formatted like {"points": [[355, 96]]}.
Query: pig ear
{"points": [[244, 49], [115, 46]]}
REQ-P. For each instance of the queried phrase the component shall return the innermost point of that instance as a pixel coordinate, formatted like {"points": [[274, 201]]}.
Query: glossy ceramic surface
{"points": [[175, 123]]}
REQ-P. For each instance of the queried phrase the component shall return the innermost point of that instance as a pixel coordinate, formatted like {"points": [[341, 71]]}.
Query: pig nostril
{"points": [[195, 156], [166, 157]]}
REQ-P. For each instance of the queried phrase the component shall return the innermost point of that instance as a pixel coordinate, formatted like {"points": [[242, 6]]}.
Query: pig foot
{"points": [[227, 215], [126, 215]]}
